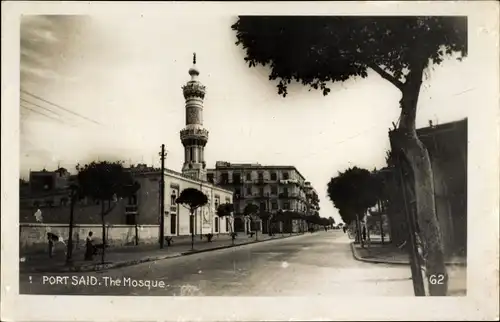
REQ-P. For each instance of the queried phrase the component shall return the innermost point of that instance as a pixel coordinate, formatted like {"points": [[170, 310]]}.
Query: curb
{"points": [[380, 261], [101, 267]]}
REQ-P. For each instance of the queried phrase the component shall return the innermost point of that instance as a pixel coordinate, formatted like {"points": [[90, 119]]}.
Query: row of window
{"points": [[275, 206], [248, 176], [274, 191]]}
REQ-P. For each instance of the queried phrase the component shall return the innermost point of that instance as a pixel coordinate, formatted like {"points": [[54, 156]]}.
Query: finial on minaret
{"points": [[193, 71]]}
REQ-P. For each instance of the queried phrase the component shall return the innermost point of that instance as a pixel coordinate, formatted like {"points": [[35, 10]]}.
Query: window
{"points": [[210, 177], [285, 176], [249, 191], [249, 176], [285, 191], [274, 205], [261, 176], [262, 206], [216, 228], [173, 224], [225, 178], [236, 178], [274, 190], [227, 224], [237, 193], [273, 176], [261, 191], [286, 206], [191, 224]]}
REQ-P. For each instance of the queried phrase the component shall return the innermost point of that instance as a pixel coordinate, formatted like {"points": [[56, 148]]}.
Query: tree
{"points": [[331, 222], [319, 50], [226, 210], [250, 211], [353, 192], [192, 199], [106, 182]]}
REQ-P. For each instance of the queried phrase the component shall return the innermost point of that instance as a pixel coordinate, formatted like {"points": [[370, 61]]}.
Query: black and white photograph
{"points": [[175, 153]]}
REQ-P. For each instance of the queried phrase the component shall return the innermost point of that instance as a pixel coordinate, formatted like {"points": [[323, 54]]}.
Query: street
{"points": [[319, 264]]}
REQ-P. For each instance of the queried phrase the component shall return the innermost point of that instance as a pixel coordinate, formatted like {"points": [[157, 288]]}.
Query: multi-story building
{"points": [[312, 199], [271, 188]]}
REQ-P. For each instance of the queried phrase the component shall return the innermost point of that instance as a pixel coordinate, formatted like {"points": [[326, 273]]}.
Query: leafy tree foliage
{"points": [[317, 50], [192, 199], [352, 193], [225, 210], [104, 181]]}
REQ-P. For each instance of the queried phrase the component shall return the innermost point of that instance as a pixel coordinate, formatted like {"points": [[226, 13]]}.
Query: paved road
{"points": [[307, 265]]}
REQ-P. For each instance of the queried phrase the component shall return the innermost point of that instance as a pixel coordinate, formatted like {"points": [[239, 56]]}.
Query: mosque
{"points": [[138, 217]]}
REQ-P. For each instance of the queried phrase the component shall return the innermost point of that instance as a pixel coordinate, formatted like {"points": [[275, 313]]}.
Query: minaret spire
{"points": [[194, 136]]}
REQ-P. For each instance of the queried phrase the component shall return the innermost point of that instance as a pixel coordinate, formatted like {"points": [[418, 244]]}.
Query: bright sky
{"points": [[126, 73]]}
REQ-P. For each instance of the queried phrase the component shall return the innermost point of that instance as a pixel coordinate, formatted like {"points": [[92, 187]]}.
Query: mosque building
{"points": [[137, 217]]}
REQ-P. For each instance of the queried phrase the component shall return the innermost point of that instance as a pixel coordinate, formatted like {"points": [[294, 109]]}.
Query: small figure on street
{"points": [[364, 232], [89, 247]]}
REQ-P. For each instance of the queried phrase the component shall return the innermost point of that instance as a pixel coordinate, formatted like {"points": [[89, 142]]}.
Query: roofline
{"points": [[183, 177], [257, 167]]}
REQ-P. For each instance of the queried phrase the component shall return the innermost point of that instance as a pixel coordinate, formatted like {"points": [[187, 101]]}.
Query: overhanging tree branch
{"points": [[385, 75]]}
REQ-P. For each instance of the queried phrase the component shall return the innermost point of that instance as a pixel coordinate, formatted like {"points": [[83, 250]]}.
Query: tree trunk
{"points": [[192, 223], [103, 232], [418, 158], [359, 239], [69, 251], [136, 234]]}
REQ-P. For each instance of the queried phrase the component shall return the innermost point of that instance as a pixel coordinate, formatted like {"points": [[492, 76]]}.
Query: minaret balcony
{"points": [[197, 134], [194, 89]]}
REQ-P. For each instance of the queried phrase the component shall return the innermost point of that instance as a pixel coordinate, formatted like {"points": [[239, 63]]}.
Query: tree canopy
{"points": [[192, 198], [353, 192], [105, 180], [225, 209], [250, 209], [315, 50]]}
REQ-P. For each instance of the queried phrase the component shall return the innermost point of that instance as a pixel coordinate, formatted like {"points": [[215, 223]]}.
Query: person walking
{"points": [[89, 247]]}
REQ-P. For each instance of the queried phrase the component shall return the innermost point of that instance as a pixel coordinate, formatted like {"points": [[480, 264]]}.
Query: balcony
{"points": [[131, 209], [261, 181]]}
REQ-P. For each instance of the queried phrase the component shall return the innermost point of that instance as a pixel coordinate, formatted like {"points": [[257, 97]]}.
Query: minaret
{"points": [[194, 137]]}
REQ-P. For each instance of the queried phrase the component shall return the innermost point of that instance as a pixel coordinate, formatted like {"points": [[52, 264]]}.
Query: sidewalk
{"points": [[131, 255], [377, 253]]}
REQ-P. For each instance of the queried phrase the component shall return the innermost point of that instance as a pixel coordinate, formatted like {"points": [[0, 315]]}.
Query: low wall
{"points": [[33, 237]]}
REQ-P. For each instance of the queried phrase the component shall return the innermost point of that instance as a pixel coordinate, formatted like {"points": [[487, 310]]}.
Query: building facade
{"points": [[271, 188], [447, 147]]}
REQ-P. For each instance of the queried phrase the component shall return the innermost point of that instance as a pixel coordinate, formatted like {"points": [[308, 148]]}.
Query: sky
{"points": [[116, 81]]}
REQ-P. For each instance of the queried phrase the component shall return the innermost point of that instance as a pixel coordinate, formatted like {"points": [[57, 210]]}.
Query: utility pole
{"points": [[162, 196], [69, 252]]}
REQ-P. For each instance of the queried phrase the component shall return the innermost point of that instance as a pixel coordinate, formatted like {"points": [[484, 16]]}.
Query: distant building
{"points": [[271, 188], [312, 199]]}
